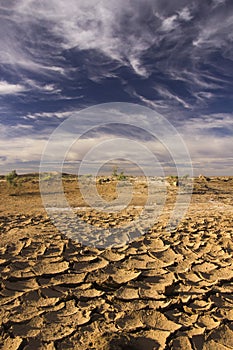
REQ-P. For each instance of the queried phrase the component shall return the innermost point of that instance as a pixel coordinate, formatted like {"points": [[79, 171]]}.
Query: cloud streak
{"points": [[8, 89], [172, 56]]}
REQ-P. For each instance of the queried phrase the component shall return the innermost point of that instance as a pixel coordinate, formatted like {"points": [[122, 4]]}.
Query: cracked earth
{"points": [[164, 290]]}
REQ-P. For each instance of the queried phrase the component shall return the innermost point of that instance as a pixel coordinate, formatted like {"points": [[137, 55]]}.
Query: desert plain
{"points": [[164, 289]]}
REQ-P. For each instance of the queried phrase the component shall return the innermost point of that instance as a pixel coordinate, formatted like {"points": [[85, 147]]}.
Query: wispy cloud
{"points": [[167, 94], [118, 31], [169, 23], [185, 14], [10, 89], [49, 115], [209, 140], [42, 87], [173, 56]]}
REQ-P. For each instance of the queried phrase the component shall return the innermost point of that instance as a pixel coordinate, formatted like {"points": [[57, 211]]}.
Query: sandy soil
{"points": [[165, 290]]}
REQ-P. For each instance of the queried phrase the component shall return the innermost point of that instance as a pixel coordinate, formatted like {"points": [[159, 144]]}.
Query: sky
{"points": [[173, 56]]}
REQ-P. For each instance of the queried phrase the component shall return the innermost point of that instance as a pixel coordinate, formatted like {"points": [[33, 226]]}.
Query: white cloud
{"points": [[34, 35], [185, 14], [154, 104], [204, 138], [211, 151], [81, 25], [137, 67], [56, 69], [167, 94], [10, 131], [218, 2], [21, 149], [204, 96], [60, 115], [169, 23], [20, 143], [207, 124], [10, 89], [216, 31], [199, 84], [41, 87], [117, 29], [51, 88], [209, 148]]}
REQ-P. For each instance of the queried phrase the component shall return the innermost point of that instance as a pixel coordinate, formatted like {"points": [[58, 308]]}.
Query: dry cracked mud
{"points": [[164, 290]]}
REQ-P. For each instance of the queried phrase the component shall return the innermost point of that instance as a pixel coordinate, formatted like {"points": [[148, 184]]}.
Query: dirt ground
{"points": [[165, 289]]}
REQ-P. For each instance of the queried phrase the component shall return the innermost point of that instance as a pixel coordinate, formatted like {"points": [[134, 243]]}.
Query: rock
{"points": [[30, 329], [181, 343], [124, 276], [112, 256], [222, 335], [67, 279], [208, 322], [12, 343], [130, 322], [88, 293], [22, 286], [157, 320], [93, 265], [41, 268], [125, 293]]}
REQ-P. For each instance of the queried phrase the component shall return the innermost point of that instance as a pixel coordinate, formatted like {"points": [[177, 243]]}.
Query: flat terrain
{"points": [[165, 289]]}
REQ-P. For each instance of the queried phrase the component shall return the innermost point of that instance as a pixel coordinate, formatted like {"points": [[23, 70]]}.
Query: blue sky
{"points": [[58, 57]]}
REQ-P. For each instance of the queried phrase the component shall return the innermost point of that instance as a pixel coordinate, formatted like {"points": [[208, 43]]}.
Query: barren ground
{"points": [[165, 290]]}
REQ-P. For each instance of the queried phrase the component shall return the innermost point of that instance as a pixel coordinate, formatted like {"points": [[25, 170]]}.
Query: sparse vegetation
{"points": [[49, 176], [114, 171], [173, 177], [13, 180], [119, 176]]}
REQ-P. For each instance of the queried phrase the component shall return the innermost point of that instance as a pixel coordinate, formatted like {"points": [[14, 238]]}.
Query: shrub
{"points": [[121, 176], [114, 171], [12, 178], [13, 181]]}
